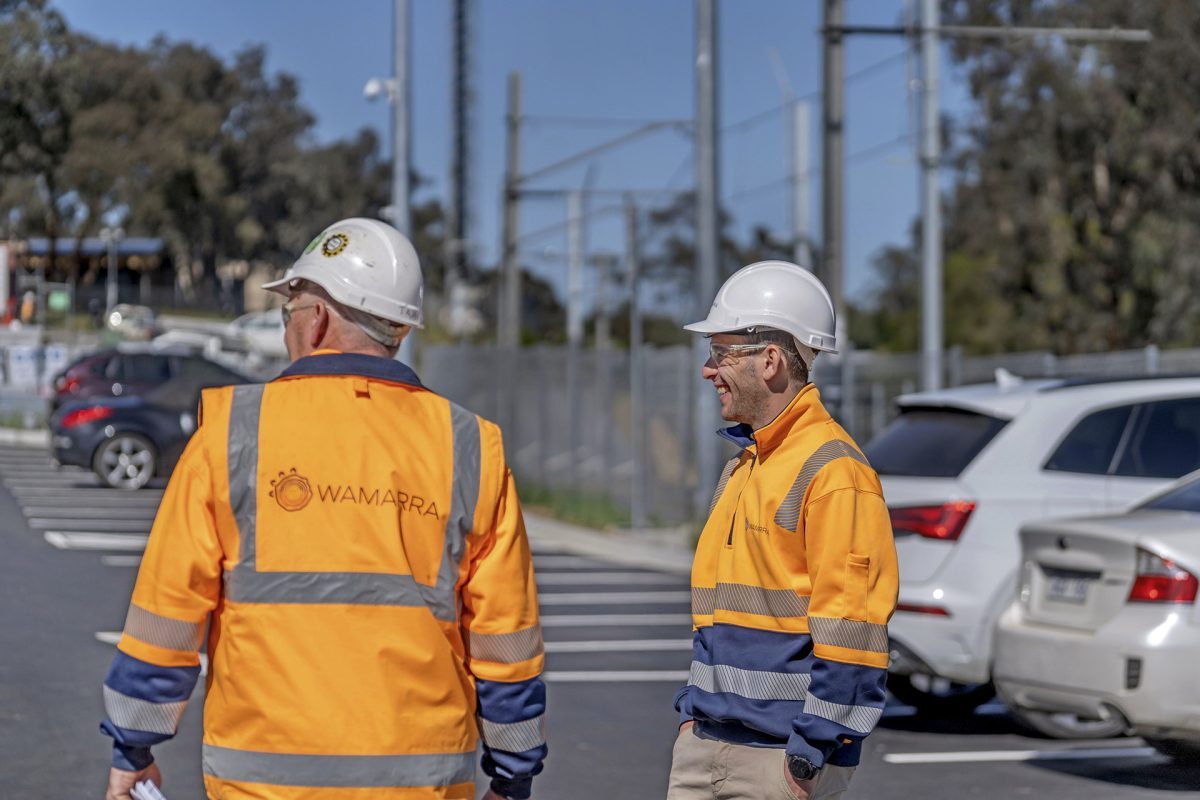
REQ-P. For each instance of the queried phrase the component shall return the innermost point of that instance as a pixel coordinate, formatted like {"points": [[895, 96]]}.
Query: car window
{"points": [[1184, 498], [1090, 446], [143, 368], [200, 371], [931, 442], [1165, 441]]}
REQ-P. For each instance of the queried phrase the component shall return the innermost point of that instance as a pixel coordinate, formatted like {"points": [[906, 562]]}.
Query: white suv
{"points": [[964, 468]]}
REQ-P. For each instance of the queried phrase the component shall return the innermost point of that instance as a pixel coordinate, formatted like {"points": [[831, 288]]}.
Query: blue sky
{"points": [[626, 59]]}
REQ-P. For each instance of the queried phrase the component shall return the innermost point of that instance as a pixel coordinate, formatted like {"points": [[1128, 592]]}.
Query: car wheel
{"points": [[1183, 751], [126, 461], [1064, 725], [936, 696]]}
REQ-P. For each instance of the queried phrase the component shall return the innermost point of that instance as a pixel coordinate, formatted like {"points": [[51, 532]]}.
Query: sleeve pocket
{"points": [[858, 569]]}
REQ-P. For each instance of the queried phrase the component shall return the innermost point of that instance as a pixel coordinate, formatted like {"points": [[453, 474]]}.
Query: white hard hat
{"points": [[773, 294], [365, 265]]}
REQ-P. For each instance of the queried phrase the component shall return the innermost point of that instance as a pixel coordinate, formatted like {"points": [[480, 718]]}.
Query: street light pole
{"points": [[111, 237]]}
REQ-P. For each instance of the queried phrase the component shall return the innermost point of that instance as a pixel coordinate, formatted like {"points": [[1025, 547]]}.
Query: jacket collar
{"points": [[332, 362], [804, 411]]}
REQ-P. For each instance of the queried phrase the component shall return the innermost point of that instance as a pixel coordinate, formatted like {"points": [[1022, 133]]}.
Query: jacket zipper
{"points": [[753, 461]]}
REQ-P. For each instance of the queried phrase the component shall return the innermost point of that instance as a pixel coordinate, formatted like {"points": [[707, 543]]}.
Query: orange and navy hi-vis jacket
{"points": [[354, 545], [792, 587]]}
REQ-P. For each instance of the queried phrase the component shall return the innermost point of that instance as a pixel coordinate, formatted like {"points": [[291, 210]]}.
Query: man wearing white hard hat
{"points": [[795, 577], [353, 545]]}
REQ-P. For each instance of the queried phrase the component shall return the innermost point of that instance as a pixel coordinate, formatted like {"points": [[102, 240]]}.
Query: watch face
{"points": [[801, 768]]}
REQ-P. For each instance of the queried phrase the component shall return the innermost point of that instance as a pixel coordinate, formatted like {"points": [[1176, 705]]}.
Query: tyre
{"points": [[939, 697], [1183, 751], [1065, 725], [126, 461]]}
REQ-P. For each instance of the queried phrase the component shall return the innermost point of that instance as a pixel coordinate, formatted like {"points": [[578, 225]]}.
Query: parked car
{"points": [[130, 439], [259, 332], [117, 371], [963, 469], [1106, 625]]}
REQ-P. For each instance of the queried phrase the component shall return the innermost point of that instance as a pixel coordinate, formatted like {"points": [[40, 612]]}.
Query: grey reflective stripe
{"points": [[849, 633], [748, 600], [171, 634], [464, 494], [721, 484], [861, 719], [513, 737], [788, 514], [506, 648], [243, 467], [142, 715], [357, 588], [305, 769], [750, 684]]}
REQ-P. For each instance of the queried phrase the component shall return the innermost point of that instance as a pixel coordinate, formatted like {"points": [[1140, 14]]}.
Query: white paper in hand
{"points": [[146, 790]]}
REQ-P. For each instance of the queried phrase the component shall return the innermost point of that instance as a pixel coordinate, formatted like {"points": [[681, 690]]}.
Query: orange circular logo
{"points": [[291, 491]]}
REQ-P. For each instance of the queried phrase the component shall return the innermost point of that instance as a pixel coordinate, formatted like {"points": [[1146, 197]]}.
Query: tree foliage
{"points": [[1074, 221]]}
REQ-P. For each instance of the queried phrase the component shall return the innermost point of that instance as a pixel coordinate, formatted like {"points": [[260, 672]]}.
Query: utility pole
{"points": [[509, 318], [401, 158], [931, 204], [637, 378], [707, 237], [459, 211], [832, 153], [801, 252]]}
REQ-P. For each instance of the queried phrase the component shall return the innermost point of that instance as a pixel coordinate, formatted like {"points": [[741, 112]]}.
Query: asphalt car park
{"points": [[617, 649]]}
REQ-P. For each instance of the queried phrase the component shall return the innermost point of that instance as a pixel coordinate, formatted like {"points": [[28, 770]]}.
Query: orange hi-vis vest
{"points": [[355, 545]]}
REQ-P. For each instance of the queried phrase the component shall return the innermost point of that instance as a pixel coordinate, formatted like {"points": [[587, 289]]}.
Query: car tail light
{"points": [[1161, 581], [945, 521], [67, 384], [917, 608], [85, 415]]}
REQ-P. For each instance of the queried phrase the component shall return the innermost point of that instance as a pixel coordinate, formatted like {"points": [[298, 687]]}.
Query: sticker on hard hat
{"points": [[335, 244], [313, 244]]}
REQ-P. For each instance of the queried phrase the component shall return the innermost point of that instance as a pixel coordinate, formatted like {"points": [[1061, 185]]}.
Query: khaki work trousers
{"points": [[703, 768]]}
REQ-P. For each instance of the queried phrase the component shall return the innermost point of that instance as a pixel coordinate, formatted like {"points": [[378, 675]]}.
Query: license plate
{"points": [[1064, 588]]}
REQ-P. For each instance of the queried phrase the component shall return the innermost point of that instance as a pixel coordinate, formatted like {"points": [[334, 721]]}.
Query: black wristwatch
{"points": [[801, 768]]}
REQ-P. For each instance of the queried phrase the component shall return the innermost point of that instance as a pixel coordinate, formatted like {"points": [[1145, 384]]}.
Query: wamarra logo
{"points": [[360, 495], [291, 491]]}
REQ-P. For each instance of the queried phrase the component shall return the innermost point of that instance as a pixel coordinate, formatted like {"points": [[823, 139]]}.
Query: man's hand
{"points": [[802, 789], [120, 782]]}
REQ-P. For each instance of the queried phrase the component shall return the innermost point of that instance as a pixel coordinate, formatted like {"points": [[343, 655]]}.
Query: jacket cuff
{"points": [[131, 758], [515, 788], [798, 746]]}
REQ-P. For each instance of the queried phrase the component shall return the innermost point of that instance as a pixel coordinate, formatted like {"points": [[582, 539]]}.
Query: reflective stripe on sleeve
{"points": [[788, 514], [506, 648], [351, 588], [849, 633], [142, 715], [514, 737], [861, 719], [464, 494], [750, 684], [171, 634], [305, 769], [748, 599]]}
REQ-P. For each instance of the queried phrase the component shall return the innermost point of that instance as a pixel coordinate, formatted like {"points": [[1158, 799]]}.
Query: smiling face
{"points": [[741, 390]]}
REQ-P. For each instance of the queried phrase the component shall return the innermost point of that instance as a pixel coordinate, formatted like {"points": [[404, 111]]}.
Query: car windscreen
{"points": [[1183, 498], [931, 442]]}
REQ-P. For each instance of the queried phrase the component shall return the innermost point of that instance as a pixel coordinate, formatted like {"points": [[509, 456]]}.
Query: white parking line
{"points": [[624, 620], [611, 598], [616, 676], [91, 540], [620, 646], [112, 511], [99, 525], [605, 578], [1020, 755], [121, 561], [564, 561]]}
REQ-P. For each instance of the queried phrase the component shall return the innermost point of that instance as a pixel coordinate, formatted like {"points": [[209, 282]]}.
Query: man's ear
{"points": [[775, 363], [320, 328]]}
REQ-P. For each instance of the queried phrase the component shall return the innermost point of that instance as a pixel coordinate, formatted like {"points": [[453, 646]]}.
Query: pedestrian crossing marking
{"points": [[92, 540]]}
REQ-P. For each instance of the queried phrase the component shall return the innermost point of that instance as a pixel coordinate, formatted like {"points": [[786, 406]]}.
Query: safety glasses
{"points": [[720, 352]]}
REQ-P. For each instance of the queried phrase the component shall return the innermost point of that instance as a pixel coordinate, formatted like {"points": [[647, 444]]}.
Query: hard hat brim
{"points": [[704, 326], [278, 287]]}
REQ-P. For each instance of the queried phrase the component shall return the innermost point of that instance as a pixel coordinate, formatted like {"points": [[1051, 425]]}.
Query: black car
{"points": [[120, 371], [131, 439]]}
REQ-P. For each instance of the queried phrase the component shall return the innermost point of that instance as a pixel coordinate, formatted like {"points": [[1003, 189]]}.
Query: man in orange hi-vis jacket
{"points": [[795, 574], [353, 544]]}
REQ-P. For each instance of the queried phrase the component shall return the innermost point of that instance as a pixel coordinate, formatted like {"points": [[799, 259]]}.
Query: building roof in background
{"points": [[95, 246]]}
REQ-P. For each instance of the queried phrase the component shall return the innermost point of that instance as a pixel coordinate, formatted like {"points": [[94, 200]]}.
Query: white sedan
{"points": [[1106, 624]]}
